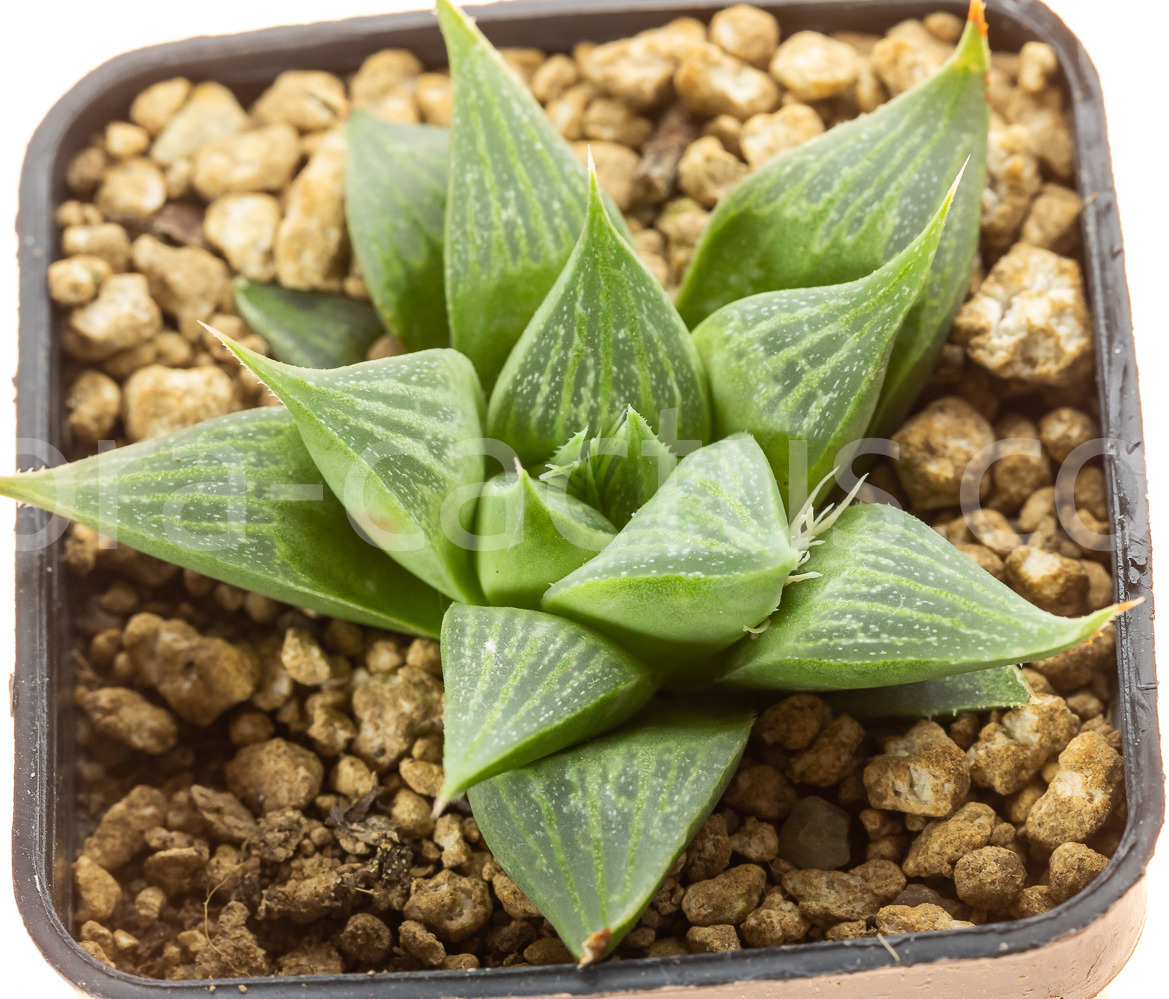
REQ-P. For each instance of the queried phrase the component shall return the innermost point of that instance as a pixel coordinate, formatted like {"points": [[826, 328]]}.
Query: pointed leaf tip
{"points": [[1112, 612], [451, 14], [605, 337], [588, 835], [957, 182], [597, 212], [516, 202], [842, 204], [391, 439], [234, 498], [973, 49], [807, 367], [897, 604], [593, 949], [977, 16], [458, 30]]}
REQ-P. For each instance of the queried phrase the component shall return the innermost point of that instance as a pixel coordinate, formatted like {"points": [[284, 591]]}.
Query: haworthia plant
{"points": [[806, 366], [894, 603], [237, 498], [638, 557], [310, 328], [837, 207], [522, 684], [395, 204], [516, 202], [591, 832], [395, 440], [605, 338], [531, 534]]}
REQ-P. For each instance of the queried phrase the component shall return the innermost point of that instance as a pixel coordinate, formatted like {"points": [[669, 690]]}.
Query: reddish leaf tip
{"points": [[593, 949], [977, 14], [1115, 611]]}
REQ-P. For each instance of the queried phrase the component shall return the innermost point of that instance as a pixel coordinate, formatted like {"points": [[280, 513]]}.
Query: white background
{"points": [[46, 46]]}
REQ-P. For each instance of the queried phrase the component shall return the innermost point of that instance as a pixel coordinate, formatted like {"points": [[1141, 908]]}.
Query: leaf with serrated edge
{"points": [[588, 835], [616, 473], [806, 365], [607, 337], [841, 205], [239, 499], [897, 603], [516, 200], [571, 470], [530, 535], [395, 204], [521, 684], [948, 696], [630, 473], [705, 559], [396, 439], [310, 328]]}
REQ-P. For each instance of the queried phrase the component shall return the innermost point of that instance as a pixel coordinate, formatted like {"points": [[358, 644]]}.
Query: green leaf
{"points": [[590, 833], [806, 366], [398, 440], [948, 696], [239, 499], [704, 560], [841, 205], [521, 684], [309, 328], [606, 338], [530, 535], [631, 468], [897, 603], [395, 204], [516, 202]]}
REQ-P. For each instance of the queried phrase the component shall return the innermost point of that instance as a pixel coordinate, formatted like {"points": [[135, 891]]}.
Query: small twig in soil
{"points": [[656, 175], [889, 947]]}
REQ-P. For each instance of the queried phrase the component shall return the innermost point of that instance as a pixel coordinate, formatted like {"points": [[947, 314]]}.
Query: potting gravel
{"points": [[257, 781]]}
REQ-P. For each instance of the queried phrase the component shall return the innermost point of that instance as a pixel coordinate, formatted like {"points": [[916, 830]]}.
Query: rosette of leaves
{"points": [[580, 487]]}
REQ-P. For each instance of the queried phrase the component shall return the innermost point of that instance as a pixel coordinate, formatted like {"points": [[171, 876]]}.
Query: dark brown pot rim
{"points": [[42, 829]]}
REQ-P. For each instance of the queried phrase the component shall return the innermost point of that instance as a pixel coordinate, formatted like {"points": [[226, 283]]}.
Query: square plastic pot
{"points": [[1072, 951]]}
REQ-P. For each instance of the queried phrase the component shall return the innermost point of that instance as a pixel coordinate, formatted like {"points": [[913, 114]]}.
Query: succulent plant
{"points": [[583, 495]]}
